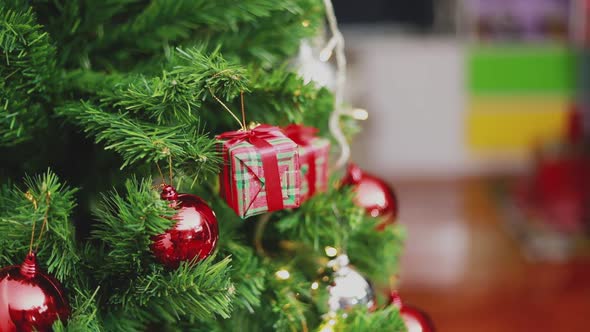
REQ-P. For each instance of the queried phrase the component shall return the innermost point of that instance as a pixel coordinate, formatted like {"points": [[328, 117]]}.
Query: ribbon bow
{"points": [[260, 132], [300, 134]]}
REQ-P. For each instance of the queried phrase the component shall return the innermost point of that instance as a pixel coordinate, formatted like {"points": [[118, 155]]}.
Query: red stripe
{"points": [[224, 178], [311, 175], [272, 177]]}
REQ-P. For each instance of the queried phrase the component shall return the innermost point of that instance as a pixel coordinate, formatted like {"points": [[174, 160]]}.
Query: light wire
{"points": [[336, 44]]}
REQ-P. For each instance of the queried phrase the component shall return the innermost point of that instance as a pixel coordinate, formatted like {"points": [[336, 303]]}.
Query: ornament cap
{"points": [[339, 262], [169, 193], [28, 268], [354, 174], [395, 299]]}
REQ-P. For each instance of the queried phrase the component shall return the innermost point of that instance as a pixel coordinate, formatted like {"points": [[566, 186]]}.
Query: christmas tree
{"points": [[114, 121]]}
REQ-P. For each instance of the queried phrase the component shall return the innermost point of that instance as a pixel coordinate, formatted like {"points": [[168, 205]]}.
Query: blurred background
{"points": [[479, 118]]}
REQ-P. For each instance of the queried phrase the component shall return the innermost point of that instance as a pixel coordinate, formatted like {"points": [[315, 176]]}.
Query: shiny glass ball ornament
{"points": [[371, 193], [349, 288], [30, 300], [193, 237], [415, 320]]}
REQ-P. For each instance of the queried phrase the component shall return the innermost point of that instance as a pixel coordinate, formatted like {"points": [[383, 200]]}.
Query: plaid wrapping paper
{"points": [[243, 180], [319, 149], [313, 155]]}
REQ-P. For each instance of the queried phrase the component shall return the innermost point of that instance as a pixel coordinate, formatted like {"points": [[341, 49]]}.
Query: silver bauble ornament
{"points": [[350, 288]]}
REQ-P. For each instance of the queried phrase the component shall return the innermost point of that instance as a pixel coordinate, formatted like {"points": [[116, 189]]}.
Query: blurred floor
{"points": [[464, 269]]}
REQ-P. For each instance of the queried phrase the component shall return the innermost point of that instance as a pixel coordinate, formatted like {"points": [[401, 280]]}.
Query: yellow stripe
{"points": [[514, 124]]}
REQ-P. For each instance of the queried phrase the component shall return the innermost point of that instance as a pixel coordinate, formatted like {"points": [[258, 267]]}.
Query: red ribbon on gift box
{"points": [[270, 164], [304, 136], [299, 134]]}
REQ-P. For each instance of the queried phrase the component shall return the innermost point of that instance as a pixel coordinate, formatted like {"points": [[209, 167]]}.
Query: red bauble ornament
{"points": [[414, 319], [372, 193], [194, 235], [29, 299]]}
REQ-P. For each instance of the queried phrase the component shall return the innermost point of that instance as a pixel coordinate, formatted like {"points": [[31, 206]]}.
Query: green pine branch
{"points": [[363, 320], [248, 272], [126, 224], [137, 141], [84, 316], [149, 119], [27, 66], [194, 291], [376, 251], [177, 95], [287, 299], [281, 97], [326, 219], [272, 39], [142, 289], [92, 35], [331, 219], [175, 21], [248, 276], [45, 197]]}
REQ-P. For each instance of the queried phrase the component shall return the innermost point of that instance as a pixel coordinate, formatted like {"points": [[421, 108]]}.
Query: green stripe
{"points": [[531, 69]]}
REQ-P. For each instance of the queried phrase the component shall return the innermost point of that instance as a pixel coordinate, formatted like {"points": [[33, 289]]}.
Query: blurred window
{"points": [[416, 13]]}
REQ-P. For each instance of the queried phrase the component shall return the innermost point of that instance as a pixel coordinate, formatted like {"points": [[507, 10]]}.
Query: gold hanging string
{"points": [[242, 125], [44, 226], [393, 281], [243, 109], [170, 169], [32, 199], [161, 174]]}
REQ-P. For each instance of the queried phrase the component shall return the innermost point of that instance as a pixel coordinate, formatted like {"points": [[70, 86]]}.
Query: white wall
{"points": [[414, 90]]}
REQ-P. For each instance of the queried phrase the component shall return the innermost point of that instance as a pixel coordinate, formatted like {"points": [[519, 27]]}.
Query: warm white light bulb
{"points": [[331, 251], [283, 274], [360, 114], [327, 328]]}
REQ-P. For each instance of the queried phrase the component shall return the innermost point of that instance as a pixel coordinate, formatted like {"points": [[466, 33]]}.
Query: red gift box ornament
{"points": [[313, 155], [260, 171]]}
